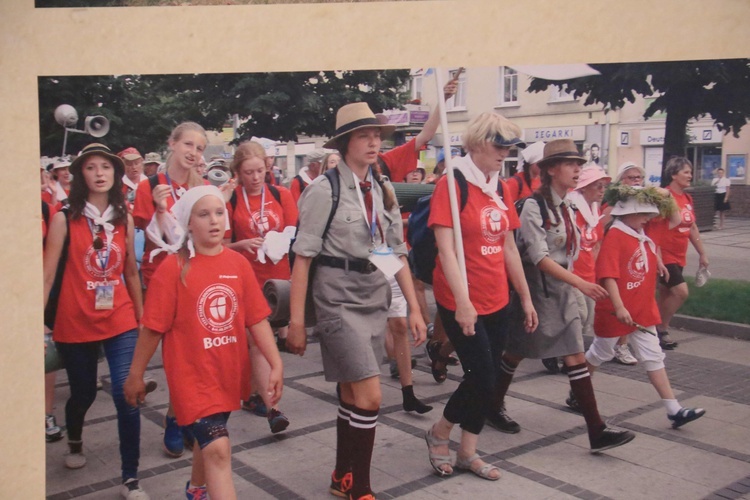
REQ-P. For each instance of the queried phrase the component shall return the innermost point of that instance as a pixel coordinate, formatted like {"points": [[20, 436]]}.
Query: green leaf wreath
{"points": [[651, 195]]}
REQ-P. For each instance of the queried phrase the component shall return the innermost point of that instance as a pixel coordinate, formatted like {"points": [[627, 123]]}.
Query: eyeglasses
{"points": [[634, 177]]}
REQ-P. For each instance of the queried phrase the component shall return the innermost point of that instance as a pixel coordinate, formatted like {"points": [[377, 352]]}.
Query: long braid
{"points": [[545, 189]]}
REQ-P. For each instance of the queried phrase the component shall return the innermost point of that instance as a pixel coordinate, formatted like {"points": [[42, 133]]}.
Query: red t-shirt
{"points": [[674, 242], [143, 212], [525, 190], [204, 348], [296, 188], [401, 160], [620, 258], [77, 320], [484, 228], [584, 266], [276, 216], [47, 197]]}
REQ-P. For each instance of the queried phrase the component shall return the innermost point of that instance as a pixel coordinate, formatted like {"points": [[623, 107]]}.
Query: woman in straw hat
{"points": [[96, 308], [363, 243], [476, 319], [549, 245]]}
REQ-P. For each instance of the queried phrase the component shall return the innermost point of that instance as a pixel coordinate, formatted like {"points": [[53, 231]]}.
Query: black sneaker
{"points": [[610, 438], [551, 365], [501, 421], [572, 403]]}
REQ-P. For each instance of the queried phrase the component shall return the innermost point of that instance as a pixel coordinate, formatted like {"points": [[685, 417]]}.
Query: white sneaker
{"points": [[623, 355], [75, 460], [131, 490]]}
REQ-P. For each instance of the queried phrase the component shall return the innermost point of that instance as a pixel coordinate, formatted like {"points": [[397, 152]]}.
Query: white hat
{"points": [[627, 166], [316, 155], [632, 206], [533, 153], [268, 145]]}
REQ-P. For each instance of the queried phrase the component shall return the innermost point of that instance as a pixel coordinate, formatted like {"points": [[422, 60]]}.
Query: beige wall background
{"points": [[36, 42]]}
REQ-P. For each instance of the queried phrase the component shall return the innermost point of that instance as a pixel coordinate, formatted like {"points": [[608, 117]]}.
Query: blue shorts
{"points": [[208, 429]]}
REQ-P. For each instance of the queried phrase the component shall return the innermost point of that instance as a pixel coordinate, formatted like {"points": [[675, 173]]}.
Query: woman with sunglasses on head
{"points": [[476, 317], [350, 289], [549, 243], [96, 307]]}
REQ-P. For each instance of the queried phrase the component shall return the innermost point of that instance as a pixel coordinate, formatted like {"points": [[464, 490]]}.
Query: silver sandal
{"points": [[437, 460], [483, 471]]}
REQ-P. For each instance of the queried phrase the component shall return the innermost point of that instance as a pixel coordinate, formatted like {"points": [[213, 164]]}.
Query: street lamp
{"points": [[67, 116]]}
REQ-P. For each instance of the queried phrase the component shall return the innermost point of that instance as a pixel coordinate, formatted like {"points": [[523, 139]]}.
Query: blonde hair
{"points": [[246, 151], [485, 126], [194, 179]]}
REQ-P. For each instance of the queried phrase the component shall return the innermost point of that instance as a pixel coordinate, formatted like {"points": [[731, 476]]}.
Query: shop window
{"points": [[507, 92]]}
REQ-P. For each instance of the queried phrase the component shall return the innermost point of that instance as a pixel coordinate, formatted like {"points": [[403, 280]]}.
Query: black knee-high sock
{"points": [[362, 425], [505, 372], [583, 391], [343, 440]]}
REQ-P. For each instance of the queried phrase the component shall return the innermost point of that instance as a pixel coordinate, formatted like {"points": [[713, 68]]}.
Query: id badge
{"points": [[105, 297], [384, 259]]}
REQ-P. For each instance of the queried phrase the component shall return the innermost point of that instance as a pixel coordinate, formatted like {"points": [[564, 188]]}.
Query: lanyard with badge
{"points": [[104, 295], [176, 195], [382, 255], [261, 225]]}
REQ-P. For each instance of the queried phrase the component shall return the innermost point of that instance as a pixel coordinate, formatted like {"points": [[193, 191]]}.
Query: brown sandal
{"points": [[436, 360]]}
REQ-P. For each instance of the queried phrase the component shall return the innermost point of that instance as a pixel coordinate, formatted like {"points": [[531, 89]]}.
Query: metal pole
{"points": [[65, 141]]}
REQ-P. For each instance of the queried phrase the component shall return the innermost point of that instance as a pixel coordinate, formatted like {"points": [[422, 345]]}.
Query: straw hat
{"points": [[560, 149], [355, 116], [101, 150], [589, 175]]}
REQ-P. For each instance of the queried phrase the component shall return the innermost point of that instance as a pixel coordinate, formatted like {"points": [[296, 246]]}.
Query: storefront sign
{"points": [[575, 133], [698, 135]]}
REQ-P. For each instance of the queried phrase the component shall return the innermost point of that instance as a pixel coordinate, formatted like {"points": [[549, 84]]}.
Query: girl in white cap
{"points": [[626, 268], [200, 302]]}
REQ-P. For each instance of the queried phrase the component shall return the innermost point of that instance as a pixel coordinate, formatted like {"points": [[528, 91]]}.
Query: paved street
{"points": [[549, 458]]}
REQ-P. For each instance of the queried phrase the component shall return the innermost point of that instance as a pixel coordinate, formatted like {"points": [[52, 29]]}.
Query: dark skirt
{"points": [[719, 204]]}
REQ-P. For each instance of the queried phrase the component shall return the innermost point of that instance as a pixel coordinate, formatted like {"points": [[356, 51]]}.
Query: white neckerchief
{"points": [[590, 213], [475, 176], [305, 177], [101, 219], [640, 236], [132, 185], [59, 191]]}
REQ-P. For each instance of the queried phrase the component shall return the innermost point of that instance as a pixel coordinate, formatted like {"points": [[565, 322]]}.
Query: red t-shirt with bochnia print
{"points": [[674, 242], [77, 318], [584, 266], [248, 224], [484, 227], [620, 258], [205, 351]]}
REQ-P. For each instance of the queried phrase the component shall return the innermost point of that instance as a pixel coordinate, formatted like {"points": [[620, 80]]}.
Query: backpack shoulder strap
{"points": [[274, 192], [45, 213], [301, 183], [542, 208], [333, 178], [463, 188], [233, 200]]}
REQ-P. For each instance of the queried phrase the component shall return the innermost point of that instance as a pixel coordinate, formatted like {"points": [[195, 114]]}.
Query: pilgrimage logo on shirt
{"points": [[636, 268], [100, 265], [217, 308], [494, 223]]}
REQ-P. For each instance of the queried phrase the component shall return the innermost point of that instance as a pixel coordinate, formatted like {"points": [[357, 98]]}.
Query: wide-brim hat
{"points": [[633, 206], [590, 175], [101, 150], [627, 166], [560, 149], [152, 158], [355, 116]]}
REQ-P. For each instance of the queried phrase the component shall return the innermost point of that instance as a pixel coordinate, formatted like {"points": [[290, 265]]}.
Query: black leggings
{"points": [[472, 401]]}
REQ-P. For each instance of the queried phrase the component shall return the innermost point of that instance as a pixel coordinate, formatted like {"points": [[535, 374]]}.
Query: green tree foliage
{"points": [[143, 109], [682, 89]]}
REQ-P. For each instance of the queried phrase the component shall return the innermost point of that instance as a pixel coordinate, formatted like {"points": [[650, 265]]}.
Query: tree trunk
{"points": [[675, 128]]}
